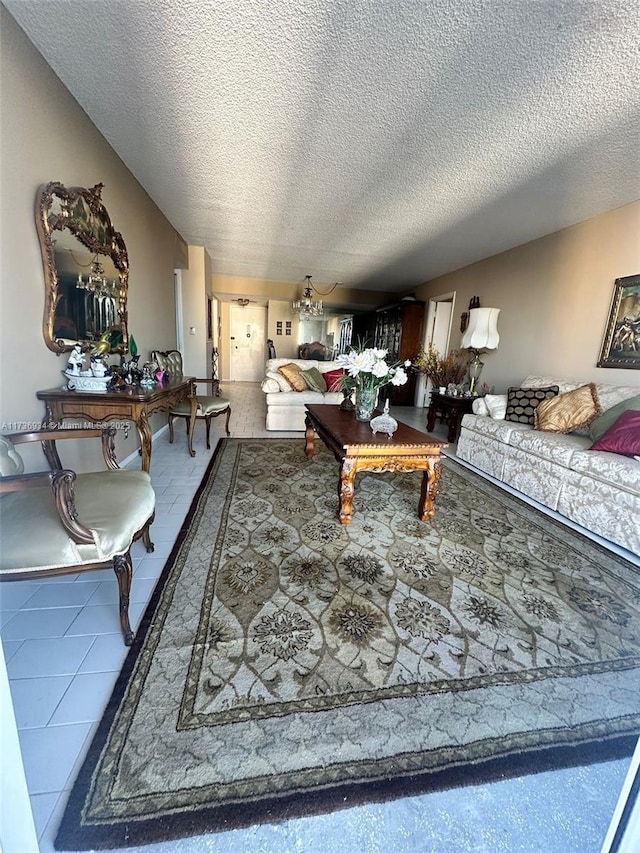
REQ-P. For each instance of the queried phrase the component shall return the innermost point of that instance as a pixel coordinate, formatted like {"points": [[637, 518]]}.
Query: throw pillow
{"points": [[282, 383], [522, 402], [569, 411], [623, 436], [479, 407], [497, 405], [610, 416], [332, 377], [315, 380], [293, 375]]}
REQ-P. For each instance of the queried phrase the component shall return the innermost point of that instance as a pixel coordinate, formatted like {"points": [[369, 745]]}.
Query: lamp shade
{"points": [[482, 331]]}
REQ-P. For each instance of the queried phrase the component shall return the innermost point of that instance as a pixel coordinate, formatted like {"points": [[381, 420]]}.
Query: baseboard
{"points": [[132, 457]]}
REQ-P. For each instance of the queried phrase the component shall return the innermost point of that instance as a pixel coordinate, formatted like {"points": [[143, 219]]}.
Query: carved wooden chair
{"points": [[58, 522], [197, 407]]}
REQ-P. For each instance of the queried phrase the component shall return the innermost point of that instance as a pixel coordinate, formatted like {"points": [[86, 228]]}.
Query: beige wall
{"points": [[554, 296], [196, 350], [46, 136], [286, 345]]}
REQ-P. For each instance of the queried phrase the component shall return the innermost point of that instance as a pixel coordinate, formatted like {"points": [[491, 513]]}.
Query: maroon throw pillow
{"points": [[331, 377], [623, 436]]}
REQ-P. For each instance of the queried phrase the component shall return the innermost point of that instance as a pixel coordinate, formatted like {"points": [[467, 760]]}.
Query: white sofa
{"points": [[597, 490], [286, 407]]}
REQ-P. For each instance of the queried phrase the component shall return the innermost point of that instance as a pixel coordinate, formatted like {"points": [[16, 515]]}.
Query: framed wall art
{"points": [[621, 344]]}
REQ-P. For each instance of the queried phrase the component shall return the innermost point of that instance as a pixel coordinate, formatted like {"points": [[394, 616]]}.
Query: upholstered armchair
{"points": [[58, 522], [197, 407]]}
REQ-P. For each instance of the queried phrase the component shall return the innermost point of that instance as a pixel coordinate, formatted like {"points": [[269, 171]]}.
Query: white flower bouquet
{"points": [[367, 369]]}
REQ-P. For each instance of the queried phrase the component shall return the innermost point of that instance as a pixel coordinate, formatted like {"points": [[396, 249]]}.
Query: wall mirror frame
{"points": [[86, 269]]}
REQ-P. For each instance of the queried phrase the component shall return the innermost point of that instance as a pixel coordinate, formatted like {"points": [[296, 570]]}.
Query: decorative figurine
{"points": [[76, 361], [384, 422], [347, 404], [98, 367]]}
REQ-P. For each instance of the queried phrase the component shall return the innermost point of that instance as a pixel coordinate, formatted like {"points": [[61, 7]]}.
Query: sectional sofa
{"points": [[598, 490]]}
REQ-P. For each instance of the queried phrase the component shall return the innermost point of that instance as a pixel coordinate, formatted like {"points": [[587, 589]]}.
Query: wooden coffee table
{"points": [[357, 448]]}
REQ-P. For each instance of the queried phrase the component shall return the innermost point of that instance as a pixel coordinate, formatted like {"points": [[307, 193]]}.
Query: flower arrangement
{"points": [[366, 371], [441, 370]]}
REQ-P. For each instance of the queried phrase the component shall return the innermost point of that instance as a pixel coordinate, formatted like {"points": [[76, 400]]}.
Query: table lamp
{"points": [[481, 334]]}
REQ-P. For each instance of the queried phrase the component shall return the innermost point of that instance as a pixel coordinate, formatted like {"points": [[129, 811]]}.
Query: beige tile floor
{"points": [[63, 650]]}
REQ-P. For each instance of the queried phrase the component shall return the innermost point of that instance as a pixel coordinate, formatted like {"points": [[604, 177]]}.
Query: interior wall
{"points": [[554, 296], [48, 137], [196, 350], [279, 311]]}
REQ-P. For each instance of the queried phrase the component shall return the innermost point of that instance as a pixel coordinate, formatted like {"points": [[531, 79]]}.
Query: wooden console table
{"points": [[453, 408], [133, 403]]}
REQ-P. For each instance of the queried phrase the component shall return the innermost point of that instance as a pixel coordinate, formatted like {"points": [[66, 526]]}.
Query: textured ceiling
{"points": [[378, 144]]}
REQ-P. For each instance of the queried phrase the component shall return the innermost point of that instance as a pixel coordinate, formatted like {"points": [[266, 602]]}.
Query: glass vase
{"points": [[366, 399]]}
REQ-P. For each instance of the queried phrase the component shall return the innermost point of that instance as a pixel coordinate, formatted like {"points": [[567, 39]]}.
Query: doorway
{"points": [[248, 333], [438, 333]]}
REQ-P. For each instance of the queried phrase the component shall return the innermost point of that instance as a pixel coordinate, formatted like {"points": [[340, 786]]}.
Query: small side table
{"points": [[451, 408]]}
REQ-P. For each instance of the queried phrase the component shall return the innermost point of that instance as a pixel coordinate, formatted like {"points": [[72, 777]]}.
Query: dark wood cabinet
{"points": [[398, 329]]}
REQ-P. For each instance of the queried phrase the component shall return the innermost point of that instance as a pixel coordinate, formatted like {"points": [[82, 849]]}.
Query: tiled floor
{"points": [[63, 649]]}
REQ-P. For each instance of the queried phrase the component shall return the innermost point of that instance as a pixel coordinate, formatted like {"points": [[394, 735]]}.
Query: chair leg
{"points": [[226, 426], [146, 535], [124, 572], [207, 421], [170, 429]]}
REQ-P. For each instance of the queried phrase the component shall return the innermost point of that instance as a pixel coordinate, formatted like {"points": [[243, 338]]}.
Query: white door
{"points": [[248, 344], [437, 332]]}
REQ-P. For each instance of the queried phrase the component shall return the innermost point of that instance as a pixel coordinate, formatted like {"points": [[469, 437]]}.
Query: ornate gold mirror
{"points": [[86, 269]]}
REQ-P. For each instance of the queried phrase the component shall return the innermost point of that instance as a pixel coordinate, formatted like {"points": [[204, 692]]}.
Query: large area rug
{"points": [[288, 665]]}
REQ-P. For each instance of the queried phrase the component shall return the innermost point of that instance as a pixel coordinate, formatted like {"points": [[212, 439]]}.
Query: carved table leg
{"points": [[144, 431], [309, 438], [346, 489], [122, 568], [430, 489]]}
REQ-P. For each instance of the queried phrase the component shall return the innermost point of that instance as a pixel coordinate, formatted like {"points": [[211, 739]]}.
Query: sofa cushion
{"points": [[568, 411], [522, 402], [555, 447], [332, 377], [496, 406], [623, 437], [498, 430], [620, 472], [479, 407], [602, 423], [281, 382], [314, 379], [293, 375]]}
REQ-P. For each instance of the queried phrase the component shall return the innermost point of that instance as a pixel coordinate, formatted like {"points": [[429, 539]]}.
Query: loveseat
{"points": [[285, 406], [596, 489]]}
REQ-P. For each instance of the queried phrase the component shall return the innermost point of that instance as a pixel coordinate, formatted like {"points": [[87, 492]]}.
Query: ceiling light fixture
{"points": [[306, 307]]}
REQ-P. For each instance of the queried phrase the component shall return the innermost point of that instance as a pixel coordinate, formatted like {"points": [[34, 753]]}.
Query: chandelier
{"points": [[306, 307], [96, 282]]}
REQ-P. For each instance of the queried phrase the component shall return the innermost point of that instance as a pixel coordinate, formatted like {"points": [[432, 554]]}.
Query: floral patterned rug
{"points": [[288, 665]]}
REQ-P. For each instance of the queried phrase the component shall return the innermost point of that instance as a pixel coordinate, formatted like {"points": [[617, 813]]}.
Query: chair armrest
{"points": [[48, 438], [61, 484], [19, 482]]}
